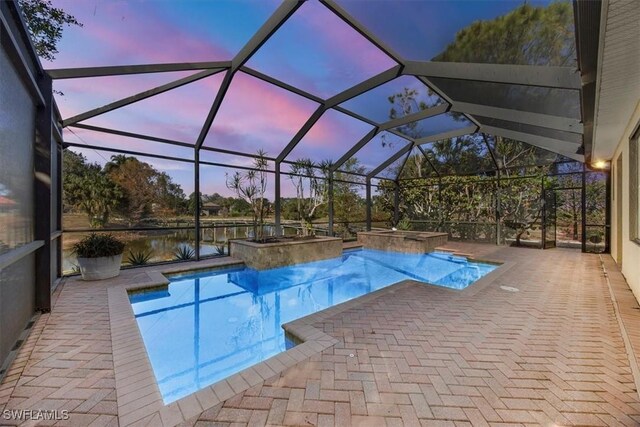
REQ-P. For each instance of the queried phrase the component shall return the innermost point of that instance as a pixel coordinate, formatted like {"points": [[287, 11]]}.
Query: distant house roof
{"points": [[5, 201], [211, 206]]}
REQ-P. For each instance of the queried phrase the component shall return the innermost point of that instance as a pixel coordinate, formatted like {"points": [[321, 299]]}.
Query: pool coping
{"points": [[138, 394]]}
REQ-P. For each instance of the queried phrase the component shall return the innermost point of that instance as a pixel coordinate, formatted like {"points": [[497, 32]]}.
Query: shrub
{"points": [[183, 253], [139, 257], [220, 248], [98, 245]]}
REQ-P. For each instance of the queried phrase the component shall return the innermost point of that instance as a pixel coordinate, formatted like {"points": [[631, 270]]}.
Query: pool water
{"points": [[207, 326]]}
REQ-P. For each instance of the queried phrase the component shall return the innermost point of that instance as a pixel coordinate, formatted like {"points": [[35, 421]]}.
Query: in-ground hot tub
{"points": [[263, 256], [414, 242]]}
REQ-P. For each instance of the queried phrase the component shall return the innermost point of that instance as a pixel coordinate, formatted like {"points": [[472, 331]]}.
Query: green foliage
{"points": [[348, 205], [191, 203], [521, 204], [404, 224], [183, 253], [98, 245], [221, 248], [87, 188], [139, 257], [127, 187], [45, 24], [147, 191], [527, 35], [251, 186]]}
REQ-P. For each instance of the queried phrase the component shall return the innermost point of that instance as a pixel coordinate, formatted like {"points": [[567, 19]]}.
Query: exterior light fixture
{"points": [[600, 164]]}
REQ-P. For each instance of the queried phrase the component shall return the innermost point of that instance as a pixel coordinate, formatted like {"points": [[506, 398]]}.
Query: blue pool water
{"points": [[207, 326]]}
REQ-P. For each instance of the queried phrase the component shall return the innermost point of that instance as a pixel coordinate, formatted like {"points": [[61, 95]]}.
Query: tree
{"points": [[146, 189], [251, 187], [348, 205], [310, 182], [528, 35], [88, 188], [45, 24], [191, 203]]}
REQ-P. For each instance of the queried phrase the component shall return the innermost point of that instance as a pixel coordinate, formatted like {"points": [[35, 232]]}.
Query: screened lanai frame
{"points": [[538, 77]]}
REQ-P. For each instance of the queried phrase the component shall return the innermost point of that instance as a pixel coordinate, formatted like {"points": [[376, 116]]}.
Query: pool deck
{"points": [[560, 350]]}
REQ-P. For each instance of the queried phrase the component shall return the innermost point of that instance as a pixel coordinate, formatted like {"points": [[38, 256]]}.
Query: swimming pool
{"points": [[207, 326]]}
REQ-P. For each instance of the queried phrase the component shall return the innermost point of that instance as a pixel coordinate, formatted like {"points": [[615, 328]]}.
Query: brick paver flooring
{"points": [[552, 353]]}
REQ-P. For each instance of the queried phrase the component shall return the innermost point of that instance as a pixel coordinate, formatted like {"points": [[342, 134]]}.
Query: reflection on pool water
{"points": [[207, 326]]}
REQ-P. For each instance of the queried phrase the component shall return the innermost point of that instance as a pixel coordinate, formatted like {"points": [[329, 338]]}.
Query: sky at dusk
{"points": [[314, 50]]}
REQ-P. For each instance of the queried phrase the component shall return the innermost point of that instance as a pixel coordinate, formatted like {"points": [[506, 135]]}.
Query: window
{"points": [[634, 185]]}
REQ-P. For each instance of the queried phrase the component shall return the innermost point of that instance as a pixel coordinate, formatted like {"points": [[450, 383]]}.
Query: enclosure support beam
{"points": [[498, 207], [138, 97], [446, 135], [345, 95], [441, 225], [196, 189], [543, 238], [131, 135], [420, 115], [277, 205], [583, 205], [390, 160], [424, 153], [535, 119], [59, 205], [330, 205], [368, 204], [275, 21], [396, 204], [42, 192], [528, 75], [607, 217], [301, 133], [493, 157], [566, 148], [120, 70], [353, 150]]}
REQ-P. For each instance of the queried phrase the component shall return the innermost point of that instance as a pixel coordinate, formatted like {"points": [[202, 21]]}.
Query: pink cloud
{"points": [[177, 114], [130, 33], [330, 137], [105, 140], [363, 56], [84, 94], [256, 114]]}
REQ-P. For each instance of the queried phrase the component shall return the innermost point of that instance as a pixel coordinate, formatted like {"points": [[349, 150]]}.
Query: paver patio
{"points": [[555, 351]]}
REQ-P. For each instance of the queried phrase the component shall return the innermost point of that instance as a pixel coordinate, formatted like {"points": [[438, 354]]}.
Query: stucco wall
{"points": [[630, 249]]}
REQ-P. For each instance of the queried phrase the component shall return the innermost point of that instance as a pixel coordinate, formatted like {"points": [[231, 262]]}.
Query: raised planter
{"points": [[262, 256], [415, 242], [100, 268]]}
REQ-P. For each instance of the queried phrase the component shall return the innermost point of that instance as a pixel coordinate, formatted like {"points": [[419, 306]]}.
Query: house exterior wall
{"points": [[630, 249]]}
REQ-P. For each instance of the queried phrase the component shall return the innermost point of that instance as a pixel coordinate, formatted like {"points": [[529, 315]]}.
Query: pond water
{"points": [[162, 244]]}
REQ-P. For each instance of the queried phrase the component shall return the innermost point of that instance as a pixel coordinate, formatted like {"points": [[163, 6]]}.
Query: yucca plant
{"points": [[183, 253], [220, 248], [139, 257]]}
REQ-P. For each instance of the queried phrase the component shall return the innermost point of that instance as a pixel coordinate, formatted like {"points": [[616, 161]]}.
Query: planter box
{"points": [[262, 256], [415, 242], [100, 268]]}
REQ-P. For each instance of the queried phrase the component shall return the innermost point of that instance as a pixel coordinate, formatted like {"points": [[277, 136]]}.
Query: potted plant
{"points": [[99, 256]]}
